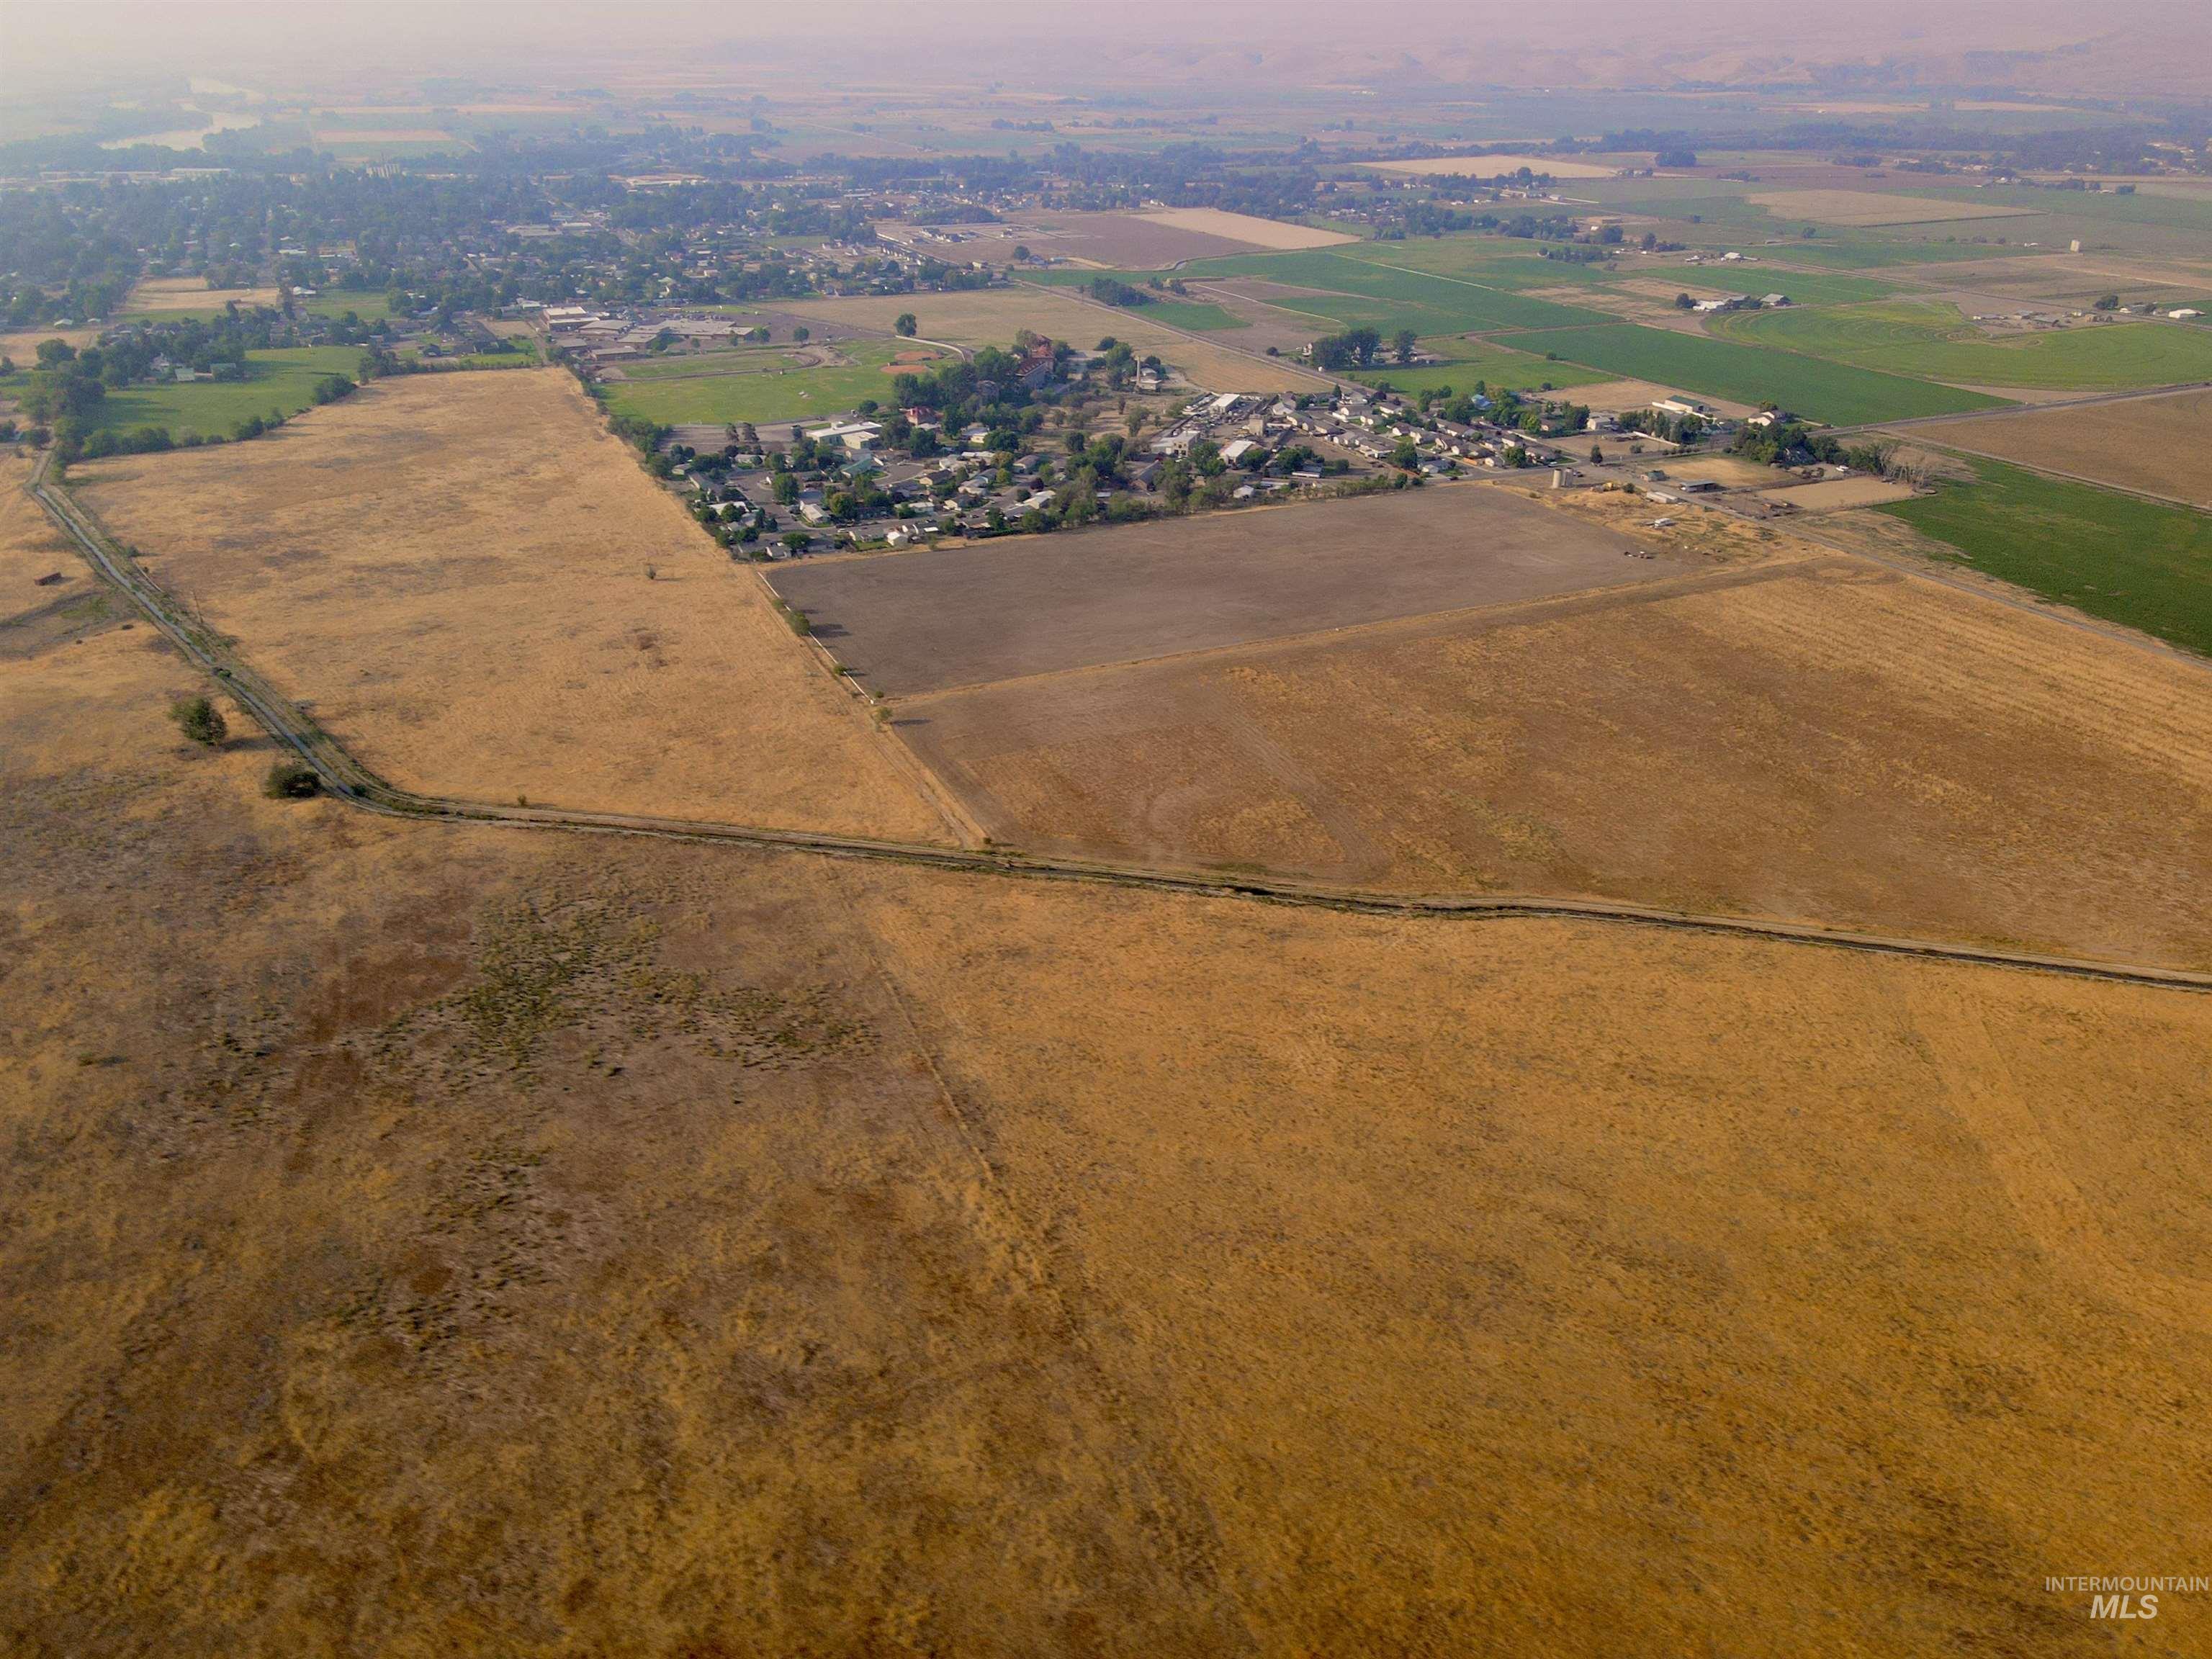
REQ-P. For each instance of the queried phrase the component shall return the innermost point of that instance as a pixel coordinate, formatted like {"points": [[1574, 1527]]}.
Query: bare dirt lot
{"points": [[2160, 445], [425, 1240], [1820, 740], [481, 594], [950, 616], [1835, 494]]}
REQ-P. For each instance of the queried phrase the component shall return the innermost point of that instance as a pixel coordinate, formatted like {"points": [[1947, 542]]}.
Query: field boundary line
{"points": [[2014, 410], [350, 781], [1952, 445], [1927, 570], [1570, 602]]}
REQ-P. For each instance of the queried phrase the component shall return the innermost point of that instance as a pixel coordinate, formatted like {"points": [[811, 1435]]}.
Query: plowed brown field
{"points": [[1819, 739]]}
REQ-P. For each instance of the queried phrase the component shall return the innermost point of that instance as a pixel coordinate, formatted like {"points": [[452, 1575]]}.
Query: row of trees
{"points": [[1362, 348]]}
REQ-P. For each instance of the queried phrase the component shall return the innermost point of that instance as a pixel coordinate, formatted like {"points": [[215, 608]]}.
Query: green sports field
{"points": [[282, 381], [779, 394], [1933, 339], [2127, 561], [1839, 394]]}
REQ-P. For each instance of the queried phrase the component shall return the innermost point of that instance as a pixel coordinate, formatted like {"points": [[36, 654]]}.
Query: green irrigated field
{"points": [[281, 381], [1934, 339], [784, 394], [1469, 360], [2114, 556], [1863, 252], [755, 360], [369, 306], [1509, 262], [1358, 292], [1837, 393]]}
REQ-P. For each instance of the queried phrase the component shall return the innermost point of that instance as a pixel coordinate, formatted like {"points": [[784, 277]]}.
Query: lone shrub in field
{"points": [[200, 721], [291, 780]]}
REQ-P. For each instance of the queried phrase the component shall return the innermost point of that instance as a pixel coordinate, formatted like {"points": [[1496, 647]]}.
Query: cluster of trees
{"points": [[1362, 348], [1792, 443], [1113, 291], [1675, 428]]}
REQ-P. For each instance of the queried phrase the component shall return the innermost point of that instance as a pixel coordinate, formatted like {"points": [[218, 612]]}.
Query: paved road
{"points": [[344, 777]]}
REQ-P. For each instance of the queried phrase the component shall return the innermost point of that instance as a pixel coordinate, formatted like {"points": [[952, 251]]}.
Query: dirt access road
{"points": [[346, 779]]}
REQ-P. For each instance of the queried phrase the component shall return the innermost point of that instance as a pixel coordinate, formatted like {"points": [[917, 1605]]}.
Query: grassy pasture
{"points": [[369, 307], [1500, 262], [1837, 393], [280, 380], [1469, 360], [2128, 561], [750, 393], [1934, 339], [756, 359]]}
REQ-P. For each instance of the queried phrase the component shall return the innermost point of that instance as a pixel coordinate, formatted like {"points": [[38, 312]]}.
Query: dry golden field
{"points": [[1874, 207], [2160, 445], [425, 1240], [190, 294], [1836, 495], [1732, 471], [1790, 733], [22, 346], [994, 316], [452, 573], [1246, 229]]}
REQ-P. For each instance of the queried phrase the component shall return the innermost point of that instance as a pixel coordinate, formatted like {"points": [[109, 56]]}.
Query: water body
{"points": [[194, 137]]}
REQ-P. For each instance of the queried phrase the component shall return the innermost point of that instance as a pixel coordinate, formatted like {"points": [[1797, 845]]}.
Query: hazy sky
{"points": [[324, 47]]}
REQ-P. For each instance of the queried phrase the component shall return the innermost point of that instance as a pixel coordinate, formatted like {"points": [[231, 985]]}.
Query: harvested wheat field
{"points": [[480, 593], [1730, 472], [2162, 446], [994, 316], [1789, 733], [1254, 231], [1859, 207], [429, 1240], [165, 294], [21, 347]]}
